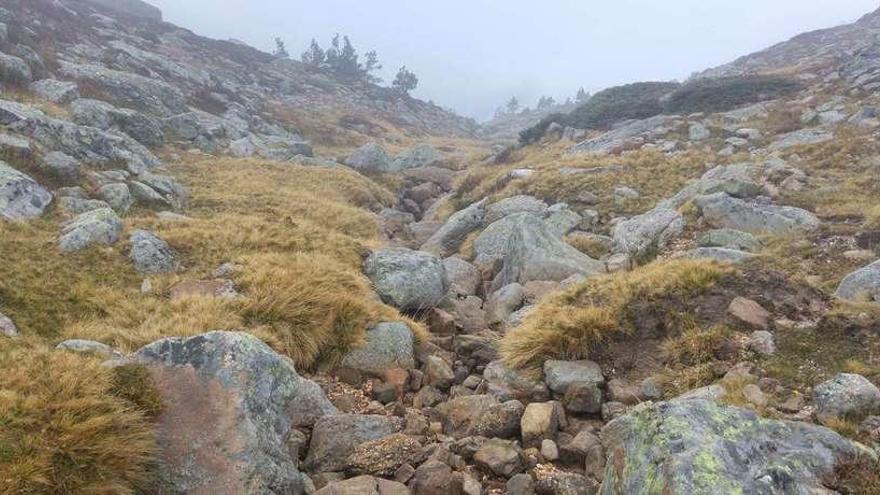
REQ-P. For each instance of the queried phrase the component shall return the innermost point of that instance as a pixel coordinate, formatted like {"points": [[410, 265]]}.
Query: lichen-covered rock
{"points": [[422, 155], [499, 457], [408, 280], [514, 204], [861, 285], [88, 347], [370, 157], [560, 375], [506, 383], [384, 456], [388, 345], [61, 166], [117, 195], [846, 396], [730, 239], [150, 254], [700, 446], [101, 226], [464, 278], [723, 255], [643, 235], [21, 198], [7, 327], [724, 211], [336, 437], [229, 403], [55, 91], [449, 238], [14, 70], [533, 252]]}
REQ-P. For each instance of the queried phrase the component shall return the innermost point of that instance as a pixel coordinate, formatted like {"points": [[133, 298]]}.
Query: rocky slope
{"points": [[194, 304]]}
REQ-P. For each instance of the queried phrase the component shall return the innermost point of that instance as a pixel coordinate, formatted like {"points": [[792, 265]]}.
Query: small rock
{"points": [[846, 396], [499, 457], [549, 450], [151, 254], [521, 484], [749, 312], [762, 342], [540, 421], [7, 327]]}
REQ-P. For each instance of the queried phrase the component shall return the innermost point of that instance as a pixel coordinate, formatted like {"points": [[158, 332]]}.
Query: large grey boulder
{"points": [[406, 279], [533, 252], [861, 285], [229, 405], [61, 166], [514, 204], [370, 157], [724, 211], [150, 254], [847, 396], [447, 241], [92, 113], [388, 345], [101, 226], [160, 189], [14, 70], [643, 235], [335, 438], [700, 446], [61, 92], [422, 155], [21, 198]]}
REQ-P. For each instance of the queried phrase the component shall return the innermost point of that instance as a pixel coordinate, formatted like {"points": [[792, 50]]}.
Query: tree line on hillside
{"points": [[341, 59], [647, 99], [544, 103]]}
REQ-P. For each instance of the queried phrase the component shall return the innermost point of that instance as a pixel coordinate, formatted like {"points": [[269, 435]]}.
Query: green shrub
{"points": [[727, 93], [536, 132], [632, 101]]}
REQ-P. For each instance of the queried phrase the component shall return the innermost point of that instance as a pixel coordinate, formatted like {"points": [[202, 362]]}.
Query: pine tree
{"points": [[371, 64], [582, 96], [405, 81], [280, 49], [513, 105], [315, 55]]}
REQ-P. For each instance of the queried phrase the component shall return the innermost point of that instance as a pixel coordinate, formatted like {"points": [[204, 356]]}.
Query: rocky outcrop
{"points": [[21, 198], [135, 8], [533, 252], [699, 446], [229, 404]]}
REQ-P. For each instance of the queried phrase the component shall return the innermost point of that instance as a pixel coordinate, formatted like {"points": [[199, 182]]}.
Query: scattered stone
{"points": [[408, 280], [61, 165], [560, 375], [643, 235], [435, 477], [336, 437], [861, 285], [507, 384], [385, 456], [846, 396], [521, 484], [464, 278], [7, 327], [749, 312], [221, 288], [499, 457], [514, 204], [388, 345], [549, 450], [370, 157], [541, 420], [21, 198], [724, 211], [100, 226], [762, 342], [730, 239], [449, 238], [88, 347]]}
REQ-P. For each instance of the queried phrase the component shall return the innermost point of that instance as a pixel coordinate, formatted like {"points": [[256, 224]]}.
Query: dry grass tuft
{"points": [[573, 323], [63, 431]]}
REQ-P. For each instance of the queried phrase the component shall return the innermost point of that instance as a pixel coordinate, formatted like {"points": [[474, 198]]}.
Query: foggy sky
{"points": [[472, 55]]}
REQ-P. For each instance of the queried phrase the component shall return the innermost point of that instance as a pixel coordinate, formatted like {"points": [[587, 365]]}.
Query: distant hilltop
{"points": [[134, 8]]}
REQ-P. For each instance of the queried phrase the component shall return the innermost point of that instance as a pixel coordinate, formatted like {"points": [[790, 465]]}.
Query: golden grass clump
{"points": [[63, 431], [313, 306], [571, 324]]}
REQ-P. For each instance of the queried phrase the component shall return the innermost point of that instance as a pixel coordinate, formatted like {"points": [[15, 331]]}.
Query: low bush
{"points": [[62, 428], [727, 93], [576, 322]]}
